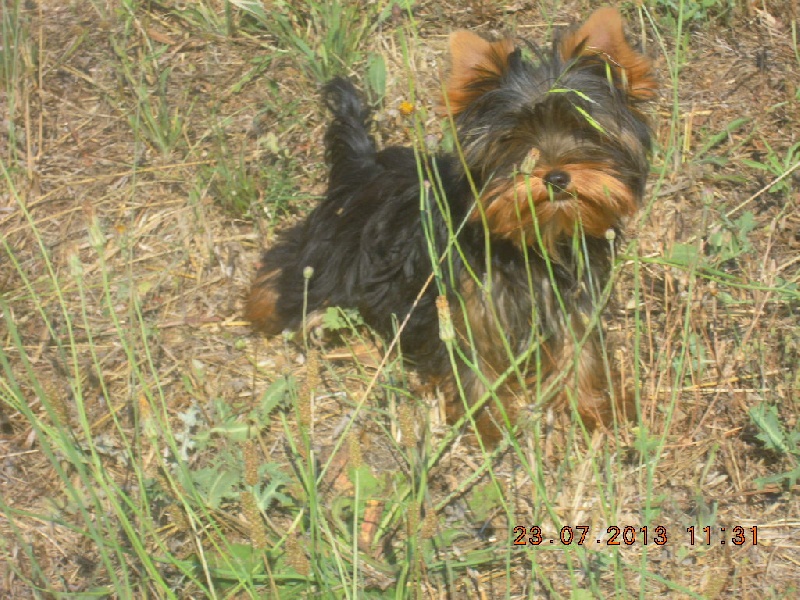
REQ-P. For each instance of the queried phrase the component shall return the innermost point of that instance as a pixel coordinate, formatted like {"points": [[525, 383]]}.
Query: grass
{"points": [[153, 447]]}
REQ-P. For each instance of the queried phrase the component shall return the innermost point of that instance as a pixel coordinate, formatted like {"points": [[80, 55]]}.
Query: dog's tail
{"points": [[348, 145]]}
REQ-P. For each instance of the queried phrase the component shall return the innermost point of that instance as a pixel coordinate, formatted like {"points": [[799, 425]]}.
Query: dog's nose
{"points": [[559, 180]]}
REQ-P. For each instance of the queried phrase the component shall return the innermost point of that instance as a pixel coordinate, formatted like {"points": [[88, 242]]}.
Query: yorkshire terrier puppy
{"points": [[518, 225]]}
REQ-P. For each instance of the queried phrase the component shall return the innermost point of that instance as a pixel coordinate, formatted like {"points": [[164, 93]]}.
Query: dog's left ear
{"points": [[477, 66], [602, 35]]}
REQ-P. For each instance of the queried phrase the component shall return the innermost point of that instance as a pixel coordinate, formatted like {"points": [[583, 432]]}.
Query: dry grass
{"points": [[152, 446]]}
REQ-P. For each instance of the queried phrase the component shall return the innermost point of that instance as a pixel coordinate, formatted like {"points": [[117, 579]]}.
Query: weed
{"points": [[324, 38], [776, 437], [698, 11], [17, 53], [234, 184], [154, 115], [777, 167], [729, 240]]}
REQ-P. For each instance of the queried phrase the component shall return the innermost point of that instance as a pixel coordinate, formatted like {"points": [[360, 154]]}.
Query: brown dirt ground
{"points": [[191, 261]]}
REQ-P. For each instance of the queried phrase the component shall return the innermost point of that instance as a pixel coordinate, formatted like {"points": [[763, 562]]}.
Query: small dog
{"points": [[519, 225]]}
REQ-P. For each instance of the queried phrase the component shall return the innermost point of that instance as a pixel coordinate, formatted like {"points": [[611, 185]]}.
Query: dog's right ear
{"points": [[477, 66]]}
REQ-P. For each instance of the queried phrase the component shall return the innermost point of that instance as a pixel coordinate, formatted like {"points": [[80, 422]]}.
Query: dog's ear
{"points": [[602, 35], [477, 66]]}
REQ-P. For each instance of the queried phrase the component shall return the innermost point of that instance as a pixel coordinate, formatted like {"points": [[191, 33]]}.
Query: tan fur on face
{"points": [[593, 202]]}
